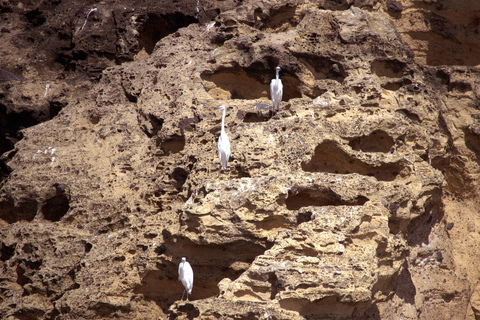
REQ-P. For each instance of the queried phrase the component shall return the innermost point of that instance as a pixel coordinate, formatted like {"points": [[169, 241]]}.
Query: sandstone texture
{"points": [[357, 200]]}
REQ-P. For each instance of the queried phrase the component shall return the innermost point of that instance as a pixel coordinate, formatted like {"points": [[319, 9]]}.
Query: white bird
{"points": [[223, 143], [276, 90], [185, 274]]}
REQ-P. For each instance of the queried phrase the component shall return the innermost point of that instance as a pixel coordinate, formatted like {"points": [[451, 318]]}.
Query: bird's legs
{"points": [[184, 294]]}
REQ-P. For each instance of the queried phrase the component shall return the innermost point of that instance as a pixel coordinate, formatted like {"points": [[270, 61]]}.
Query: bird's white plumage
{"points": [[185, 275], [276, 90], [223, 143]]}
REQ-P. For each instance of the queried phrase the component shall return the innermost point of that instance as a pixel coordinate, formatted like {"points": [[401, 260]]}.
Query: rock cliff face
{"points": [[357, 200]]}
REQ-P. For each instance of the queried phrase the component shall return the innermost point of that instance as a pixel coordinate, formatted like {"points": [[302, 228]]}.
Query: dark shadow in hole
{"points": [[392, 86], [460, 87], [22, 209], [377, 141], [188, 124], [55, 108], [156, 123], [431, 213], [329, 157], [174, 144], [323, 67], [35, 17], [5, 170], [29, 314], [239, 172], [337, 5], [371, 313], [280, 16], [410, 115], [388, 68], [180, 176], [319, 198], [56, 206], [405, 288], [210, 263], [11, 122], [6, 252], [472, 142], [326, 308], [88, 247], [251, 83], [256, 117], [21, 278], [157, 27]]}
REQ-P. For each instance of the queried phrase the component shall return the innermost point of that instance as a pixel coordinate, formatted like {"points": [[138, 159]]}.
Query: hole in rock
{"points": [[88, 247], [5, 170], [282, 16], [388, 68], [210, 264], [28, 314], [240, 172], [157, 27], [12, 121], [319, 198], [329, 157], [392, 86], [472, 142], [35, 17], [248, 83], [180, 176], [157, 123], [188, 124], [431, 213], [6, 252], [55, 207], [377, 141], [174, 144], [410, 115], [55, 107], [21, 278], [256, 117], [459, 87], [339, 5], [24, 209], [326, 308], [323, 67]]}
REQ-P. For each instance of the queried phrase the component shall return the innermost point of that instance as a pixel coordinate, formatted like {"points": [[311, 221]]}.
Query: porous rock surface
{"points": [[357, 200]]}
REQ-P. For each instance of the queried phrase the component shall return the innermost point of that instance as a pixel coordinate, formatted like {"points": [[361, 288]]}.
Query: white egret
{"points": [[185, 274], [223, 143], [276, 90]]}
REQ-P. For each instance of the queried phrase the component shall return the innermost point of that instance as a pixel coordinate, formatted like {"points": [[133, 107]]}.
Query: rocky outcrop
{"points": [[356, 200]]}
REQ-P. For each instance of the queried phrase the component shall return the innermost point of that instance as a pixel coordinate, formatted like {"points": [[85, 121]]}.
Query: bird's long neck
{"points": [[278, 76], [223, 121]]}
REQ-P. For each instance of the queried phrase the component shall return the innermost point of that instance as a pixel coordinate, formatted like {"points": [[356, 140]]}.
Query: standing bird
{"points": [[276, 90], [223, 143], [185, 274]]}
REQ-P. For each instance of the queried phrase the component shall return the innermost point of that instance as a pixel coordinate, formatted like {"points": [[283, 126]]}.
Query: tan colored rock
{"points": [[357, 200]]}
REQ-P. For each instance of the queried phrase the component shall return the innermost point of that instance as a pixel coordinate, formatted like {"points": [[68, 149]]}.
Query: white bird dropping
{"points": [[185, 275], [276, 90], [223, 143]]}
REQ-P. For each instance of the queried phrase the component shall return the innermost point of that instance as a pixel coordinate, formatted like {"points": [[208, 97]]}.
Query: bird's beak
{"points": [[217, 108]]}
